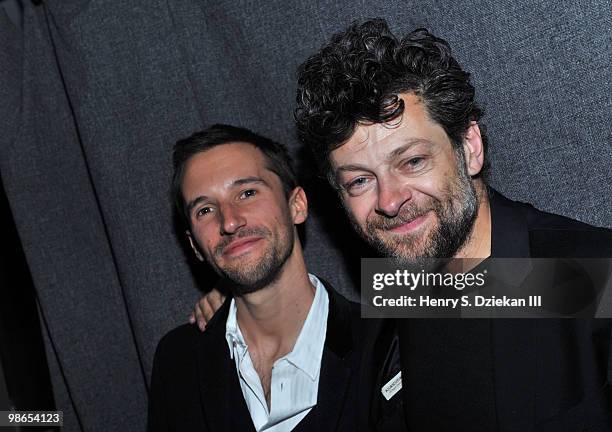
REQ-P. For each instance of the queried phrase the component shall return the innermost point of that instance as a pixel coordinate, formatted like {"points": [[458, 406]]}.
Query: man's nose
{"points": [[231, 219], [392, 195]]}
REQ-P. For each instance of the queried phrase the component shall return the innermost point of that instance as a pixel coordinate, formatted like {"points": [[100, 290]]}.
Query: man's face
{"points": [[405, 188], [241, 221]]}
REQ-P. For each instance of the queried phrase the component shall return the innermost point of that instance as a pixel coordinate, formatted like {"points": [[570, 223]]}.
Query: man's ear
{"points": [[473, 149], [194, 246], [298, 204]]}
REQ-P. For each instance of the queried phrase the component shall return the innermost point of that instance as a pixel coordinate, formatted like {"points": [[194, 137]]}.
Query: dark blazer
{"points": [[500, 374], [195, 387]]}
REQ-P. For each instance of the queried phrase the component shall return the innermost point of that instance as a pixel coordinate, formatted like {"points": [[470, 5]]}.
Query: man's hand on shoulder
{"points": [[205, 308]]}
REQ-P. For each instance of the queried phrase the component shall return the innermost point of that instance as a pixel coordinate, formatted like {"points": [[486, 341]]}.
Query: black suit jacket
{"points": [[500, 374], [195, 387]]}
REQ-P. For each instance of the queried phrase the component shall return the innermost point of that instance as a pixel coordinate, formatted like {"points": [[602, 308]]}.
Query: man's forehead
{"points": [[379, 135], [380, 140], [234, 155], [222, 165]]}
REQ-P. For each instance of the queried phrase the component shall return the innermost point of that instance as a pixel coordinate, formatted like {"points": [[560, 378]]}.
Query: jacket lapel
{"points": [[218, 378], [514, 340], [336, 370], [509, 233], [331, 397], [376, 333]]}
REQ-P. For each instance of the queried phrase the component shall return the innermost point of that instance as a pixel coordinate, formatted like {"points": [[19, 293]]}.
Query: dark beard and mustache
{"points": [[242, 279], [456, 214]]}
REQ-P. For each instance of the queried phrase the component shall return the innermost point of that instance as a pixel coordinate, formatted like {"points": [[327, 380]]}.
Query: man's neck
{"points": [[271, 318], [478, 244]]}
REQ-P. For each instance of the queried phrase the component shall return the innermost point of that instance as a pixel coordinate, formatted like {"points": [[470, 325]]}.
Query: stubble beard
{"points": [[245, 277], [455, 213]]}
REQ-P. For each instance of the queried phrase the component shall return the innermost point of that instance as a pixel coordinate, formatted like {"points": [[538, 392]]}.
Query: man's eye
{"points": [[203, 211], [355, 184], [414, 162], [248, 193]]}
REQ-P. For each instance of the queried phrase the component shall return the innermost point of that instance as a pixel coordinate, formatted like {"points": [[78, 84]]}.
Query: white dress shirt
{"points": [[295, 377]]}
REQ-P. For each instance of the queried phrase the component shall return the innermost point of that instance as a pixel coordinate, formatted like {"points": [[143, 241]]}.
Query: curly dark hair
{"points": [[358, 76]]}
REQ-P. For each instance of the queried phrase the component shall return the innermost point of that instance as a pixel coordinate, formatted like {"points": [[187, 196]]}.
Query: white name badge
{"points": [[393, 386]]}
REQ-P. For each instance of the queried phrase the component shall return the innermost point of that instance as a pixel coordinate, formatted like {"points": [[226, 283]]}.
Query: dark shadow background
{"points": [[24, 376], [94, 94]]}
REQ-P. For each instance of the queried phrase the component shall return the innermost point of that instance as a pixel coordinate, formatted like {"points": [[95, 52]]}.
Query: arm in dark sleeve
{"points": [[157, 419]]}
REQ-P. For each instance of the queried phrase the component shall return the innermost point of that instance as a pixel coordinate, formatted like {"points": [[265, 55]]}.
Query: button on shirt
{"points": [[295, 377]]}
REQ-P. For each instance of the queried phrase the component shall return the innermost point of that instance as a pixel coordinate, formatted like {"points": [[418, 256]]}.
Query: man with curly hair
{"points": [[395, 128]]}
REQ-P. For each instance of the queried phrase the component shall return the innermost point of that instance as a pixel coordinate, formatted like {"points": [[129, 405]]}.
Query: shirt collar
{"points": [[233, 335], [308, 350]]}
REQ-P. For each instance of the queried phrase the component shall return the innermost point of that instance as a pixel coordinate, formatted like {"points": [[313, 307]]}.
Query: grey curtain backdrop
{"points": [[93, 95]]}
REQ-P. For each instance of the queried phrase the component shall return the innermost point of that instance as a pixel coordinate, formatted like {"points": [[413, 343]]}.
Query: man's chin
{"points": [[408, 257], [418, 256], [247, 279], [240, 285], [423, 262], [406, 245], [245, 263], [243, 275]]}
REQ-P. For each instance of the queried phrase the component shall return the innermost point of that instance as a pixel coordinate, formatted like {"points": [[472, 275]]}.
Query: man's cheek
{"points": [[356, 209], [358, 223]]}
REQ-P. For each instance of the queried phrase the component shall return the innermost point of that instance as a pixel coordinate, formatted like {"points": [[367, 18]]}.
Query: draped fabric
{"points": [[94, 94]]}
